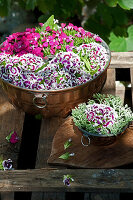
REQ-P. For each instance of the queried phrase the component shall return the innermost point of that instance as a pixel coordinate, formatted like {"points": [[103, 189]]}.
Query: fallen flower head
{"points": [[7, 164], [12, 137], [67, 179]]}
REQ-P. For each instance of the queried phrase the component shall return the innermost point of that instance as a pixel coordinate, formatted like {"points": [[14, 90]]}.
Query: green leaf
{"points": [[111, 3], [4, 7], [130, 31], [123, 5], [30, 4], [9, 136], [67, 144], [42, 67], [65, 156], [1, 166], [49, 22], [126, 4], [45, 6], [118, 44], [38, 116]]}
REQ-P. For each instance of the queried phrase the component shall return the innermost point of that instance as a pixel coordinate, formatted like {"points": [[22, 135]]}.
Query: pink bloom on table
{"points": [[63, 25], [98, 39], [45, 44]]}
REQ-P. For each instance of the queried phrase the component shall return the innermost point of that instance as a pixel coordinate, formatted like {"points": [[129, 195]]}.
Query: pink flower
{"points": [[88, 34], [58, 47], [48, 28], [52, 51], [98, 39], [14, 138], [41, 24], [51, 43], [44, 39], [71, 44], [45, 44], [63, 25]]}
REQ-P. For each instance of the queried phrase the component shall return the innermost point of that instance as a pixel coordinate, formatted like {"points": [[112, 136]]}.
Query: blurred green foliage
{"points": [[111, 19]]}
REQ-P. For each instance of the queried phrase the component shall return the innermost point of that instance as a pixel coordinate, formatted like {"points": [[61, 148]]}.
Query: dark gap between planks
{"points": [[28, 149]]}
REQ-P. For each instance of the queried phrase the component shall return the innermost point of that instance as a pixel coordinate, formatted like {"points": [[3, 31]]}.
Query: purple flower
{"points": [[7, 164], [100, 115], [67, 179]]}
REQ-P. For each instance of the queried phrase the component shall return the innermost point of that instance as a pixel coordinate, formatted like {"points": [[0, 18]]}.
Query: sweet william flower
{"points": [[7, 164], [63, 25], [45, 44], [48, 28], [12, 137]]}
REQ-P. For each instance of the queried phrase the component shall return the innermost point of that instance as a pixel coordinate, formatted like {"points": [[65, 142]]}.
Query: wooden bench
{"points": [[46, 181]]}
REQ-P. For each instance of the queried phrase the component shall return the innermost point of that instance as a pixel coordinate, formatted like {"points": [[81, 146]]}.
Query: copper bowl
{"points": [[54, 102], [100, 140]]}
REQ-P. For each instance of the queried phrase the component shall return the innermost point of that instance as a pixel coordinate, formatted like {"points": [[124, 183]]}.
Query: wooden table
{"points": [[30, 155]]}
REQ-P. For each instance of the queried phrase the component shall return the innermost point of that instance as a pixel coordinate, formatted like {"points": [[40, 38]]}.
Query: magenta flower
{"points": [[12, 137], [101, 115]]}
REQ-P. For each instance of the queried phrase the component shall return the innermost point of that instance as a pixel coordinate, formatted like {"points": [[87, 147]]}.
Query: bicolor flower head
{"points": [[7, 164]]}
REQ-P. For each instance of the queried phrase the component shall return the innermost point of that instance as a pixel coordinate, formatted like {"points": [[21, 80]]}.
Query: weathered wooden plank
{"points": [[109, 87], [121, 60], [51, 180], [101, 196], [7, 195], [47, 132], [120, 91], [131, 76], [10, 120]]}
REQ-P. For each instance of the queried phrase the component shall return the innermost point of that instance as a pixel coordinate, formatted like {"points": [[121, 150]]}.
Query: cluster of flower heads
{"points": [[77, 57], [103, 115], [43, 42], [65, 69], [100, 115]]}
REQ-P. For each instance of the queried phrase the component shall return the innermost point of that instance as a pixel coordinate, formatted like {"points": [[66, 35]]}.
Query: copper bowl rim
{"points": [[86, 133], [69, 88]]}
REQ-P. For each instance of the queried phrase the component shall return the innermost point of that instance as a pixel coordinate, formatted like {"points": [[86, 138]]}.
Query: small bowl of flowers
{"points": [[103, 119]]}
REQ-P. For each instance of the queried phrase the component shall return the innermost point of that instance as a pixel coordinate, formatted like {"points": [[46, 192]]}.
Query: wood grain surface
{"points": [[10, 120], [51, 180], [117, 154]]}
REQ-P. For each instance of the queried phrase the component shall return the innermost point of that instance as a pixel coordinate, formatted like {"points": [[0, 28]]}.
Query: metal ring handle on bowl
{"points": [[89, 141], [40, 96]]}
